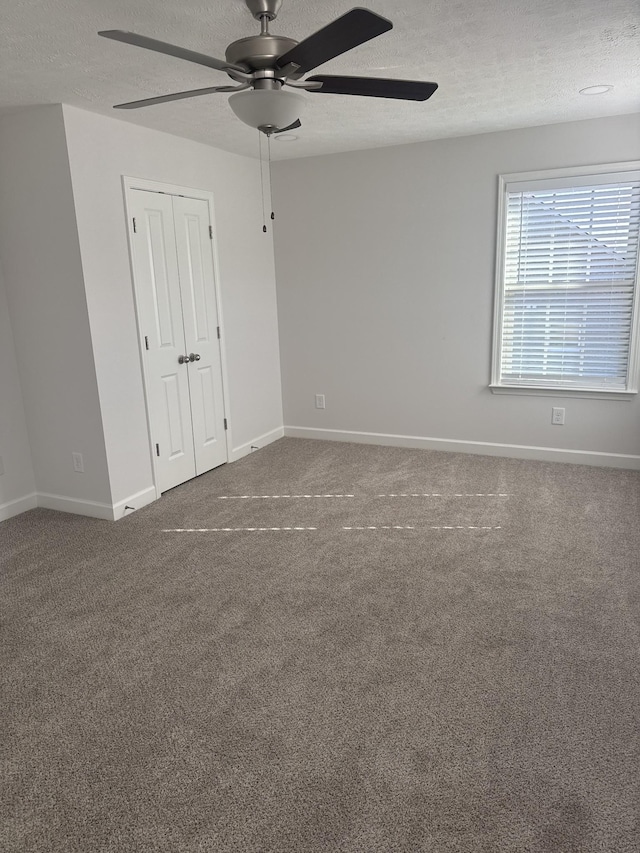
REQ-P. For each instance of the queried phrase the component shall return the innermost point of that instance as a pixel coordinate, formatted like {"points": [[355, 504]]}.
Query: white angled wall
{"points": [[101, 150], [385, 269], [48, 310], [17, 483]]}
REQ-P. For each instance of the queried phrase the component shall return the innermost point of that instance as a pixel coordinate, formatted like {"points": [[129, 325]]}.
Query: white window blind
{"points": [[569, 284]]}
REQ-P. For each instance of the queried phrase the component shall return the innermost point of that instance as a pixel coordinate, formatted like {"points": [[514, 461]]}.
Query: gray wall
{"points": [[385, 268], [17, 483], [47, 306]]}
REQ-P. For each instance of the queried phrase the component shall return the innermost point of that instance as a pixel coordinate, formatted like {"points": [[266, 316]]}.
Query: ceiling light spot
{"points": [[596, 90], [286, 137]]}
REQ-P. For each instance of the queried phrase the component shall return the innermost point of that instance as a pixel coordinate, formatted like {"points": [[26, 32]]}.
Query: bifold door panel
{"points": [[175, 287], [200, 317]]}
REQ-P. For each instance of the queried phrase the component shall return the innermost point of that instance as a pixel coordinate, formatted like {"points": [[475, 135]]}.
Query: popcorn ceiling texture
{"points": [[500, 64]]}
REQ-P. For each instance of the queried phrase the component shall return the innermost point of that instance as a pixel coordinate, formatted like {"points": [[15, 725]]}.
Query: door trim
{"points": [[129, 185]]}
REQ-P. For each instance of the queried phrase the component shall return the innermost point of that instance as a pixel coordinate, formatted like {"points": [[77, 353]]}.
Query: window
{"points": [[567, 282]]}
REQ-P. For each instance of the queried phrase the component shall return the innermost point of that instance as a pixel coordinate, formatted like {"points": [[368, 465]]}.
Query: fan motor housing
{"points": [[260, 51]]}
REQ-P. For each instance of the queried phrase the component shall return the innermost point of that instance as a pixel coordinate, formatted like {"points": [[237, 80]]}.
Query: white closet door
{"points": [[160, 308], [200, 315]]}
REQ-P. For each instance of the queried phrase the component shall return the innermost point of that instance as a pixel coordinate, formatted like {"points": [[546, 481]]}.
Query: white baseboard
{"points": [[483, 448], [78, 507], [137, 501], [15, 507], [256, 444], [93, 509]]}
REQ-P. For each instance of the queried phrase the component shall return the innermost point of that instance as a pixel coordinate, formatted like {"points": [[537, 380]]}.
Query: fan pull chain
{"points": [[264, 224], [273, 216]]}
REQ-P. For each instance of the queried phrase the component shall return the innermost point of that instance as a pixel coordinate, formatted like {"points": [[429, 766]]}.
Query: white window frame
{"points": [[506, 183]]}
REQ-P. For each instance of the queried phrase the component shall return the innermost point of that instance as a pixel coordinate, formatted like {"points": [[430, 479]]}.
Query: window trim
{"points": [[495, 385]]}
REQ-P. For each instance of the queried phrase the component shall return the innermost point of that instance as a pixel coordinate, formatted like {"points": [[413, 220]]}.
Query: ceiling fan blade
{"points": [[169, 49], [178, 96], [374, 87], [293, 126], [343, 34]]}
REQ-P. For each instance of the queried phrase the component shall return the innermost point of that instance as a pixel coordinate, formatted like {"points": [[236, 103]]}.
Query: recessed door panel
{"points": [[160, 277], [207, 394], [171, 412], [196, 280]]}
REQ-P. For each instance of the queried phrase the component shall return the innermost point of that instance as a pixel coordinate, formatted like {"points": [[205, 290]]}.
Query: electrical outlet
{"points": [[319, 401], [557, 416], [78, 463]]}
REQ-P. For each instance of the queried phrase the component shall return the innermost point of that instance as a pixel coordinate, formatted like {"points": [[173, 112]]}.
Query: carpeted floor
{"points": [[415, 651]]}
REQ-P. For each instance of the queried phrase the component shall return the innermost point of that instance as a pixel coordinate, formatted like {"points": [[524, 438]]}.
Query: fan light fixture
{"points": [[272, 109]]}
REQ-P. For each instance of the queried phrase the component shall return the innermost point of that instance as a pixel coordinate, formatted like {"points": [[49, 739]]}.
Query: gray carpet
{"points": [[448, 660]]}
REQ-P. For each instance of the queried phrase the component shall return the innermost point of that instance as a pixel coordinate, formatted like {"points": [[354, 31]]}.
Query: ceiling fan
{"points": [[262, 65]]}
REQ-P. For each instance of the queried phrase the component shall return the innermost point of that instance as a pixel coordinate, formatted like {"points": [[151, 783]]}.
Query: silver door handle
{"points": [[183, 359], [194, 356]]}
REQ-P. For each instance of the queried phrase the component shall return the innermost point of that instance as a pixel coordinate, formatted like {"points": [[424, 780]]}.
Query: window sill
{"points": [[537, 391]]}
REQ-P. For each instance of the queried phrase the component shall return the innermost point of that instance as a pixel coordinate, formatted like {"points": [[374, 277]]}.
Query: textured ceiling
{"points": [[500, 64]]}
